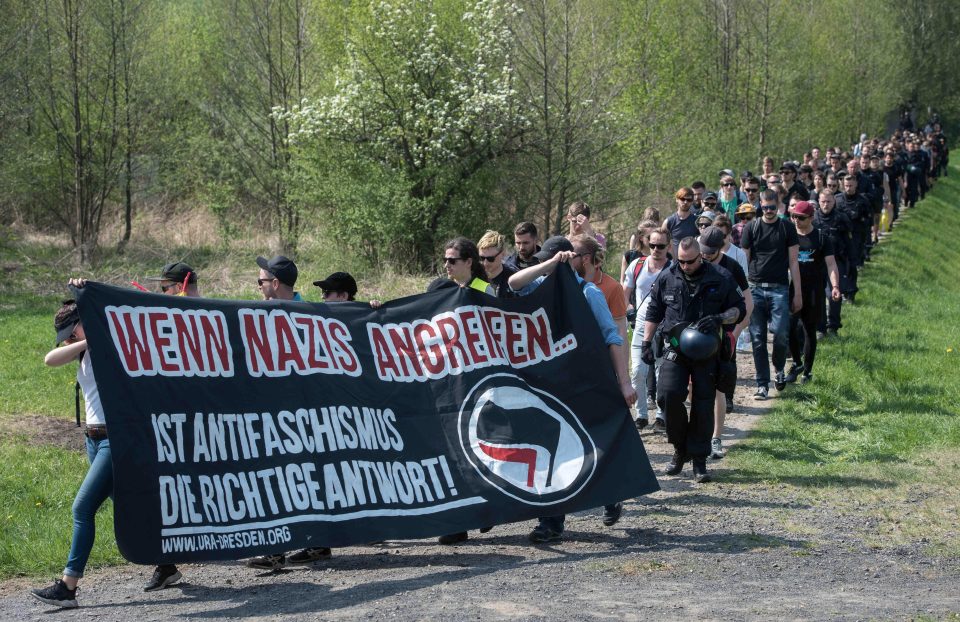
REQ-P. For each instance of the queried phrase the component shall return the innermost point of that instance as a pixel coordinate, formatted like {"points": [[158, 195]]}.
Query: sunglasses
{"points": [[798, 218], [768, 208], [260, 282], [490, 258], [728, 184], [657, 247], [688, 262], [710, 204], [164, 288], [750, 190], [701, 225], [452, 260], [686, 199]]}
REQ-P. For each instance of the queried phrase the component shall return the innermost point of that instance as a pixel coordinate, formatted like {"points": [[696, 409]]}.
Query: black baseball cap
{"points": [[176, 271], [66, 322], [553, 246], [281, 267], [338, 282], [711, 240], [788, 166]]}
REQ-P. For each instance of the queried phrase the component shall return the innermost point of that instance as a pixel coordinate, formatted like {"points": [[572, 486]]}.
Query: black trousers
{"points": [[689, 434], [803, 329], [831, 319]]}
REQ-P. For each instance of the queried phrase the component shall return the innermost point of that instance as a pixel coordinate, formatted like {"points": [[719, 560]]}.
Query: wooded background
{"points": [[391, 126]]}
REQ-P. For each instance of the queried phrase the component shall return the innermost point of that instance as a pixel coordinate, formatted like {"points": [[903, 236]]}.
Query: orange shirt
{"points": [[613, 292]]}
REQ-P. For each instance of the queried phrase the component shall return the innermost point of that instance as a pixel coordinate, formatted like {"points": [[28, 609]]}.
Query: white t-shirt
{"points": [[642, 284], [91, 395]]}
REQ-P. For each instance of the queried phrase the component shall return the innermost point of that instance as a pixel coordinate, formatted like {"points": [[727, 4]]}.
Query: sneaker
{"points": [[641, 422], [58, 595], [780, 381], [163, 576], [730, 405], [832, 333], [268, 562], [453, 538], [612, 513], [542, 533], [676, 464], [700, 474], [308, 556], [821, 335], [659, 426], [486, 529], [804, 379], [716, 449], [761, 393], [793, 373]]}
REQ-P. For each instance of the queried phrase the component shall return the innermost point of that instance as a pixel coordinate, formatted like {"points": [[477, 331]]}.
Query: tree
{"points": [[78, 99], [423, 106], [570, 78]]}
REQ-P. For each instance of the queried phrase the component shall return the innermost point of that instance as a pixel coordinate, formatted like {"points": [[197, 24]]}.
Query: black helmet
{"points": [[697, 346]]}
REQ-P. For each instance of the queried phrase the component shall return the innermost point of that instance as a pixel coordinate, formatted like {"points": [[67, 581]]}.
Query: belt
{"points": [[95, 432], [767, 285]]}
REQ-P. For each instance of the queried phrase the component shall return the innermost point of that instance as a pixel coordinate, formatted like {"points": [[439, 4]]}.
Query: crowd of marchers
{"points": [[766, 258]]}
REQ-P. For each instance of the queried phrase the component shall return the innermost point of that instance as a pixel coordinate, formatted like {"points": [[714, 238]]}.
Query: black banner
{"points": [[240, 428]]}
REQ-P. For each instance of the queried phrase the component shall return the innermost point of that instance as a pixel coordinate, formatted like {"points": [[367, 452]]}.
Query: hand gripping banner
{"points": [[241, 428]]}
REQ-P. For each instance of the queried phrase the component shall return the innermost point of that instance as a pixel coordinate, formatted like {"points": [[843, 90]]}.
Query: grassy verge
{"points": [[37, 485], [879, 426]]}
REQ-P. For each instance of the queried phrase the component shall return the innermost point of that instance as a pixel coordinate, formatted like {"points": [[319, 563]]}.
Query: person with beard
{"points": [[558, 250], [712, 240], [525, 243], [771, 246], [695, 293], [816, 259], [858, 210], [835, 225]]}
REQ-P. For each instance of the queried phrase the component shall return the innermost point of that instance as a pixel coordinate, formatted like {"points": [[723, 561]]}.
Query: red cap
{"points": [[803, 208]]}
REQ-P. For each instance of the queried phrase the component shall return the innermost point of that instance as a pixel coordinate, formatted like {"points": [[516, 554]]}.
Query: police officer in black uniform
{"points": [[857, 208], [691, 291]]}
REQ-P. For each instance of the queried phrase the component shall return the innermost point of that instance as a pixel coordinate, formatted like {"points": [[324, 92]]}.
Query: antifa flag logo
{"points": [[525, 442]]}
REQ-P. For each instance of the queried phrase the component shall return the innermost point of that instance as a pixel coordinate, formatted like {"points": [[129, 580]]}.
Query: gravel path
{"points": [[724, 550]]}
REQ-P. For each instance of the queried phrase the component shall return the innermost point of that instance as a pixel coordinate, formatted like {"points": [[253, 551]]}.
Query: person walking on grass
{"points": [[771, 246], [98, 482], [556, 251], [816, 259]]}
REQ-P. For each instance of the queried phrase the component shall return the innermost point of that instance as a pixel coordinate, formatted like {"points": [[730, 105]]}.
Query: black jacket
{"points": [[857, 208], [672, 302], [837, 227]]}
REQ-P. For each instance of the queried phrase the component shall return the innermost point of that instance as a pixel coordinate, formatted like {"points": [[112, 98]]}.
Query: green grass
{"points": [[37, 485], [880, 423]]}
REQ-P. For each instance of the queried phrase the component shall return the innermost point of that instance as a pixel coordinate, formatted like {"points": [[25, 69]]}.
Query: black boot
{"points": [[700, 474], [676, 464]]}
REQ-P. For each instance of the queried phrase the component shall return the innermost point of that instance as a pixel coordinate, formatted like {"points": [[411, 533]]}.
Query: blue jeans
{"points": [[96, 487], [771, 309]]}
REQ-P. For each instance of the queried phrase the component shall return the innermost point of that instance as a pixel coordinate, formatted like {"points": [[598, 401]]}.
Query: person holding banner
{"points": [[277, 278], [690, 302], [98, 483], [461, 260], [176, 279], [559, 250]]}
